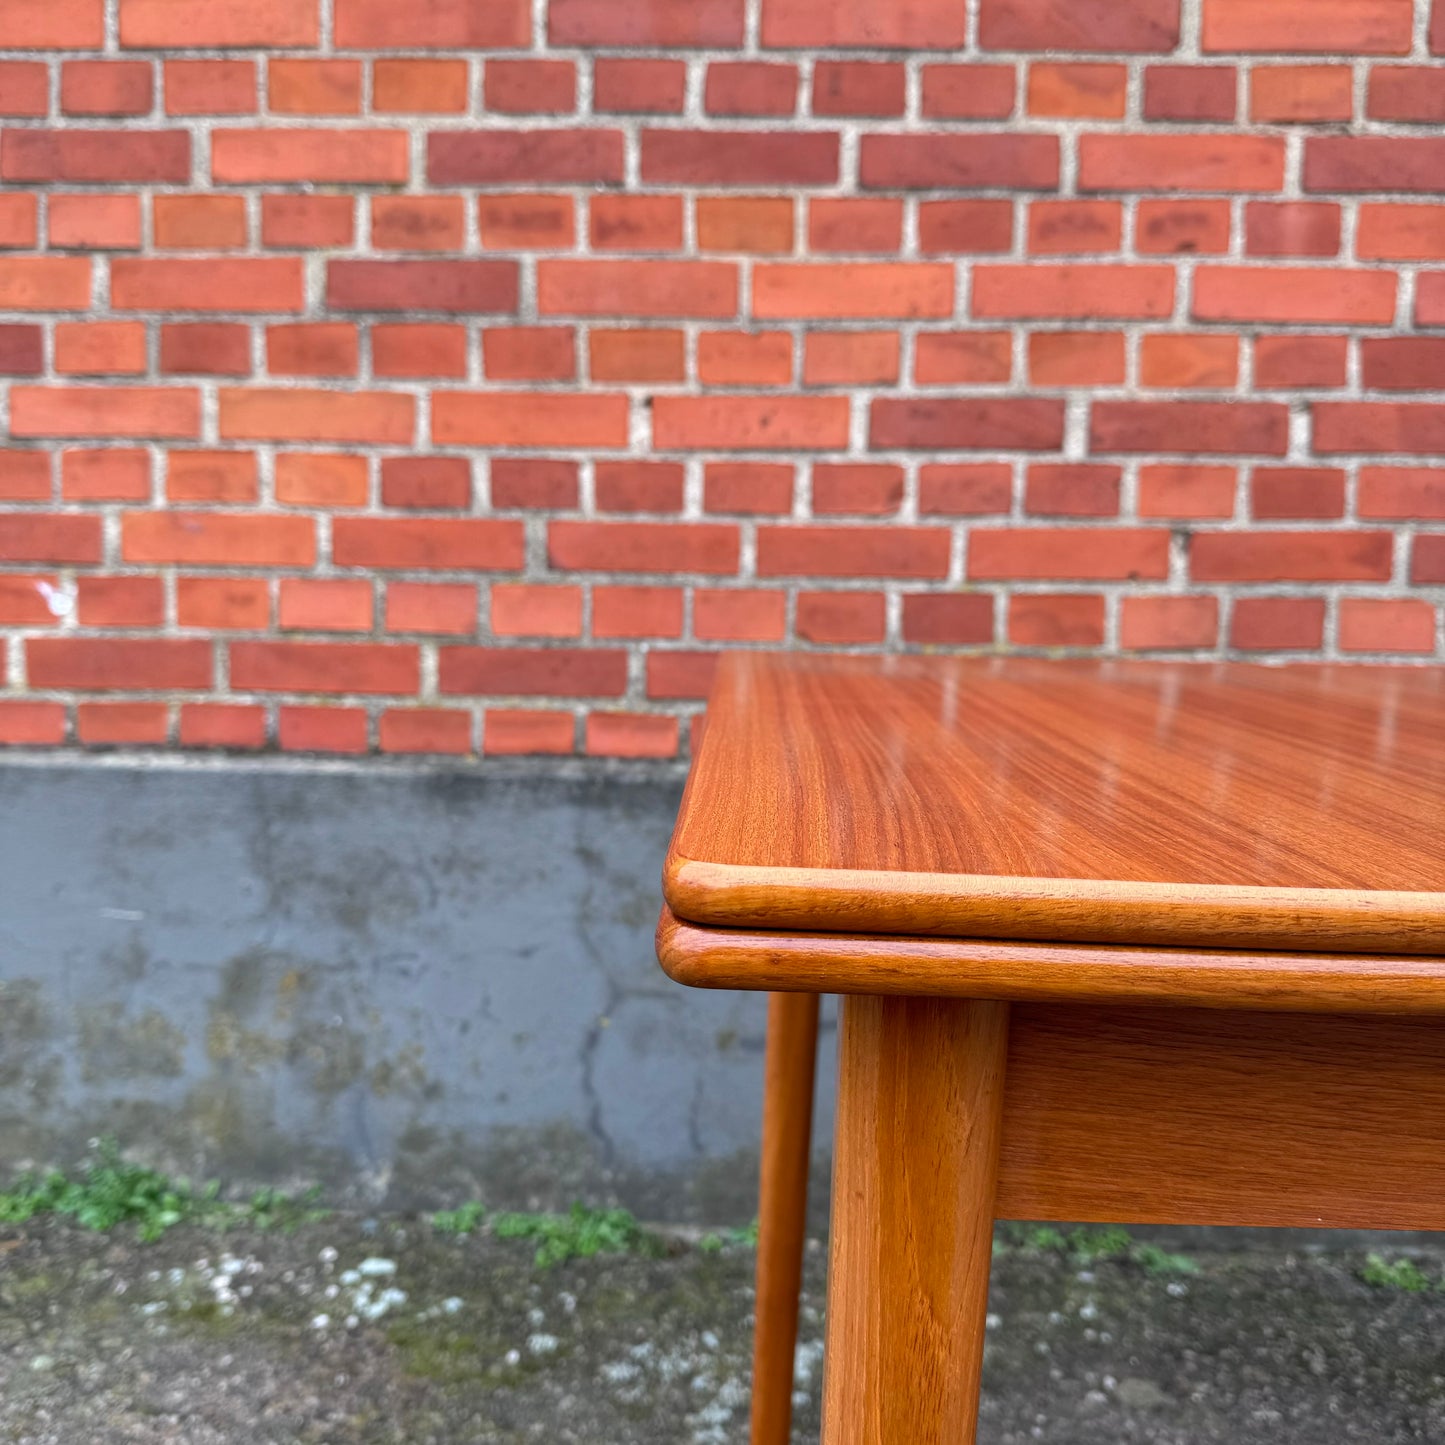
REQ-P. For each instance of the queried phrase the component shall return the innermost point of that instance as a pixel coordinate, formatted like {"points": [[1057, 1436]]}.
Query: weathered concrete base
{"points": [[410, 984]]}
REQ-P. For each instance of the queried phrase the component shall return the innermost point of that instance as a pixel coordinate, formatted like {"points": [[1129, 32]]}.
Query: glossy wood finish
{"points": [[920, 1096], [1054, 972], [788, 1071], [1184, 1116], [1172, 804]]}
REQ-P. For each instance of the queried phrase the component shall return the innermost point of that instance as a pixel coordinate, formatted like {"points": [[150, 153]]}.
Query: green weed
{"points": [[1401, 1274], [465, 1220], [578, 1234]]}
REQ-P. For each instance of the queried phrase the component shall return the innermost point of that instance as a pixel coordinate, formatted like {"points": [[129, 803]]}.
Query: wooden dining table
{"points": [[1119, 941]]}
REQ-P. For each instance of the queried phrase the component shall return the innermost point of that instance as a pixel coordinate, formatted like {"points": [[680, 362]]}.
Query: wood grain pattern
{"points": [[1190, 1117], [1173, 804], [920, 1090], [788, 1072], [1049, 972]]}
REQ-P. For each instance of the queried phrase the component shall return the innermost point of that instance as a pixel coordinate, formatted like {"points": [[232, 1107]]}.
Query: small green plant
{"points": [[274, 1209], [1159, 1262], [1093, 1246], [1085, 1246], [578, 1234], [1400, 1274], [744, 1238], [466, 1219]]}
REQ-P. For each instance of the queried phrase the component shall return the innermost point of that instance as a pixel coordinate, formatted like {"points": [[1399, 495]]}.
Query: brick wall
{"points": [[457, 375]]}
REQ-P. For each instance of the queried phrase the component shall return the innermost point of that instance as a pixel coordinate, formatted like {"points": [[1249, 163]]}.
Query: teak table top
{"points": [[1120, 802]]}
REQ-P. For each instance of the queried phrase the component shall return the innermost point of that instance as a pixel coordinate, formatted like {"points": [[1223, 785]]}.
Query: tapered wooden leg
{"points": [[920, 1095], [792, 1051]]}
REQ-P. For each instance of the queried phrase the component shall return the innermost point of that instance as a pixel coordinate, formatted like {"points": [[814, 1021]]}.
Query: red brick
{"points": [[959, 162], [740, 358], [312, 349], [530, 353], [104, 411], [950, 227], [19, 221], [222, 725], [1297, 493], [106, 87], [272, 283], [1402, 493], [1059, 228], [1294, 294], [423, 349], [218, 539], [42, 537], [750, 423], [445, 608], [1190, 426], [1068, 290], [1228, 162], [409, 86], [322, 730], [1407, 93], [434, 25], [761, 225], [837, 24], [204, 348], [856, 488], [1402, 363], [425, 730], [416, 544], [1171, 228], [24, 476], [858, 289], [1379, 426], [1076, 358], [1292, 228], [1389, 232], [530, 87], [739, 615], [1288, 93], [964, 489], [1386, 625], [968, 92], [1374, 163], [1295, 361], [1369, 27], [211, 477], [948, 620], [325, 667], [1056, 619], [1176, 360], [118, 724], [859, 87], [949, 358], [709, 24], [1186, 491], [850, 358], [637, 354], [631, 735], [1260, 556], [1190, 92], [637, 288], [967, 424], [637, 85], [22, 350], [218, 24], [1430, 299], [522, 609], [1173, 624], [855, 225], [834, 618], [1105, 25], [321, 479], [525, 157], [200, 223], [521, 731], [1427, 564], [209, 87], [526, 223], [52, 24], [89, 664], [534, 482], [227, 604], [1046, 553], [113, 475], [1070, 89], [532, 671], [1278, 624], [750, 87], [529, 419], [1437, 29], [24, 89], [635, 223], [888, 551], [1072, 489], [633, 486], [307, 220], [680, 674], [418, 223], [765, 488], [31, 724], [44, 283], [298, 415], [426, 482], [636, 612], [411, 286], [709, 547], [313, 87], [336, 157], [120, 602], [96, 156], [739, 158]]}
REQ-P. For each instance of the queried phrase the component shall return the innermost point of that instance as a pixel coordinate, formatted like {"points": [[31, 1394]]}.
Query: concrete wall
{"points": [[409, 984]]}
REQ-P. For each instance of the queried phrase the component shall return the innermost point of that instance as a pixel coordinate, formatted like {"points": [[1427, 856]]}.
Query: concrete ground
{"points": [[377, 1332]]}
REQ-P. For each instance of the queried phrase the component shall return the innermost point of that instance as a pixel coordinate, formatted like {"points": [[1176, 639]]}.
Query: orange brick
{"points": [[738, 358], [530, 353], [419, 87], [322, 730], [417, 223], [321, 479], [522, 609], [1173, 359], [1285, 93], [200, 223], [205, 476], [1076, 358], [635, 223], [120, 601], [637, 355], [420, 349], [113, 475], [838, 618], [1187, 491], [106, 87], [630, 735], [313, 87], [1168, 623], [1386, 625], [222, 725], [523, 730], [312, 349], [443, 608], [209, 87], [1060, 228], [850, 358], [120, 724], [527, 222], [756, 225], [226, 604], [1097, 91], [738, 615], [96, 348], [314, 604], [425, 730], [855, 225], [619, 612]]}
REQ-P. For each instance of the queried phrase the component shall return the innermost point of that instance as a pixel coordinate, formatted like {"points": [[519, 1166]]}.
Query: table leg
{"points": [[792, 1050], [920, 1095]]}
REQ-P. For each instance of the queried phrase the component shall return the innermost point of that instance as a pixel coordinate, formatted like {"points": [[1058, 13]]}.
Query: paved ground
{"points": [[271, 1339]]}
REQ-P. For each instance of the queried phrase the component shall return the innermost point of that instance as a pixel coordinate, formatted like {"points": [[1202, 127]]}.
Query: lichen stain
{"points": [[115, 1045]]}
